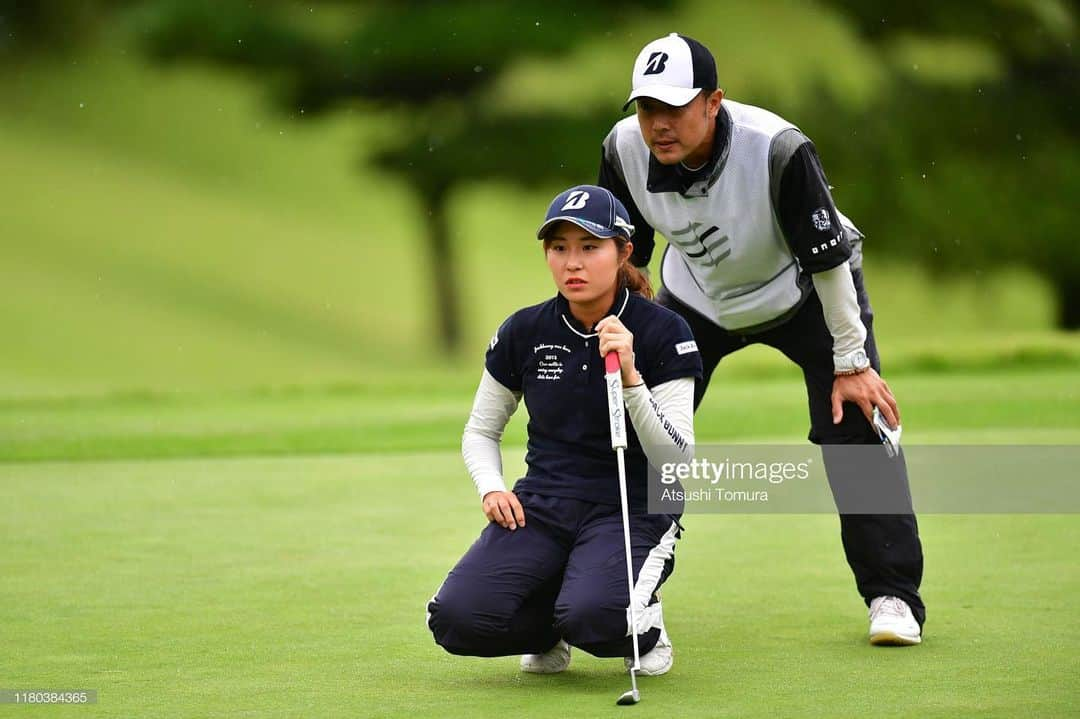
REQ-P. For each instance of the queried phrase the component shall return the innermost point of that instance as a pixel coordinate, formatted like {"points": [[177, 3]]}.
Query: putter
{"points": [[617, 417]]}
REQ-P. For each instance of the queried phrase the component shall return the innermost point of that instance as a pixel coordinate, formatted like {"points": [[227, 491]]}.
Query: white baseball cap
{"points": [[673, 70]]}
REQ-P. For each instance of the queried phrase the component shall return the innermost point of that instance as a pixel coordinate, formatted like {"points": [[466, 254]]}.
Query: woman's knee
{"points": [[590, 620], [462, 623]]}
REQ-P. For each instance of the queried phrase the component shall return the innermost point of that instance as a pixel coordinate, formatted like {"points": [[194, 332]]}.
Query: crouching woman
{"points": [[548, 572]]}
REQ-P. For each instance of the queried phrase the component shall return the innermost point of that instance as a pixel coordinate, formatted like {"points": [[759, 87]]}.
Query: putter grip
{"points": [[611, 363], [616, 413]]}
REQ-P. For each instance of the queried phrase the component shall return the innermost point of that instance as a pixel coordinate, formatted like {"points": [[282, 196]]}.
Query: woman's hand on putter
{"points": [[614, 337], [504, 509]]}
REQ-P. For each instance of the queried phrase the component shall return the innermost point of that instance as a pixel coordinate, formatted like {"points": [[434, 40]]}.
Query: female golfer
{"points": [[549, 570]]}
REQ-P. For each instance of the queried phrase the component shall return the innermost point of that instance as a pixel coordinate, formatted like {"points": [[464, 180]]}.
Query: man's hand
{"points": [[867, 390], [614, 337], [504, 509]]}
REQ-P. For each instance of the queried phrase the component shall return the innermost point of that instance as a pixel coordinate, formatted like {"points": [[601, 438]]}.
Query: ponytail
{"points": [[635, 280], [630, 276]]}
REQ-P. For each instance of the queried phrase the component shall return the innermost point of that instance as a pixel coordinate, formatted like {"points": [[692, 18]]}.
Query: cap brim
{"points": [[674, 96], [591, 227]]}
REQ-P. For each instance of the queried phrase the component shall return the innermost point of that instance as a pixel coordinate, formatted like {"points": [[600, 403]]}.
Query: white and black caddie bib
{"points": [[727, 256]]}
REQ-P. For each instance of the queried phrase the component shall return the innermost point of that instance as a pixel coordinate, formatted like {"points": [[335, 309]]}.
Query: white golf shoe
{"points": [[553, 661], [657, 660], [892, 623]]}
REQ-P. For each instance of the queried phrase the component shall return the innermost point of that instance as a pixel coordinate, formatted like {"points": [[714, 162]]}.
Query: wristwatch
{"points": [[853, 363]]}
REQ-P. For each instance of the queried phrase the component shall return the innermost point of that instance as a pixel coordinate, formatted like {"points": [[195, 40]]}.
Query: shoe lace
{"points": [[892, 605]]}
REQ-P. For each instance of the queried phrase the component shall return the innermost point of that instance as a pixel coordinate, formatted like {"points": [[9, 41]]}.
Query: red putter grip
{"points": [[611, 363]]}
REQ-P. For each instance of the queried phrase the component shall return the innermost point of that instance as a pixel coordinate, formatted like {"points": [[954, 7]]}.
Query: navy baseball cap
{"points": [[593, 209], [673, 70]]}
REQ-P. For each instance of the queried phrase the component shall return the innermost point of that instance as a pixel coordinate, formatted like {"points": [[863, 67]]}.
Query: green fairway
{"points": [[426, 411]]}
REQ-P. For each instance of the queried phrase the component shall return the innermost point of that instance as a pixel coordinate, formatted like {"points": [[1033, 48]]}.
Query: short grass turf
{"points": [[427, 410], [295, 585]]}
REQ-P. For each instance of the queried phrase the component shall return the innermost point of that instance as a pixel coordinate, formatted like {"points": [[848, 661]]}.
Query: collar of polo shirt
{"points": [[568, 318]]}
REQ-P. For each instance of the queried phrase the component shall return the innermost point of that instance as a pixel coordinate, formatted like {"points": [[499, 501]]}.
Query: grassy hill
{"points": [[164, 230]]}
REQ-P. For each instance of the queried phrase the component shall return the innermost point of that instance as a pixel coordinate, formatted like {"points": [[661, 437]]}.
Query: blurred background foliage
{"points": [[232, 194]]}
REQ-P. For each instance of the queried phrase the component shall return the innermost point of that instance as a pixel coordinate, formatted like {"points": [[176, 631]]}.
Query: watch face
{"points": [[859, 359]]}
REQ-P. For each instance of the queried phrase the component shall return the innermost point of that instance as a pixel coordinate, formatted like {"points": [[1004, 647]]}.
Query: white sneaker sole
{"points": [[531, 670], [892, 639], [534, 663], [656, 672]]}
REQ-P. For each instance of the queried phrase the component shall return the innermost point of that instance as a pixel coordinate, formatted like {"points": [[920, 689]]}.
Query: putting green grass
{"points": [[205, 580], [279, 587]]}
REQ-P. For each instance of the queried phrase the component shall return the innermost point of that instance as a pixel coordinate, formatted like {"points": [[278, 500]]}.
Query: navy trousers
{"points": [[561, 576], [883, 550]]}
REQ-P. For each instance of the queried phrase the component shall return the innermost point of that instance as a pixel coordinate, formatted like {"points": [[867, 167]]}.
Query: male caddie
{"points": [[758, 252]]}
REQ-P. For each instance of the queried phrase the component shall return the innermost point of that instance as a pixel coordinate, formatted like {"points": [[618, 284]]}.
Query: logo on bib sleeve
{"points": [[687, 347], [820, 218]]}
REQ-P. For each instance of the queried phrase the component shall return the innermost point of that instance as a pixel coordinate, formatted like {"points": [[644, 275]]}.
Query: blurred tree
{"points": [[431, 60], [29, 27], [968, 158], [969, 171]]}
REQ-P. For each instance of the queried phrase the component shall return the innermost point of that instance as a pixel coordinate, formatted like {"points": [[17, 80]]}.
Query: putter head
{"points": [[889, 437], [630, 697]]}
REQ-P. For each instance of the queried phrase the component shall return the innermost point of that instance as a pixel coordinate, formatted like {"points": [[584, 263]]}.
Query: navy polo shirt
{"points": [[544, 353]]}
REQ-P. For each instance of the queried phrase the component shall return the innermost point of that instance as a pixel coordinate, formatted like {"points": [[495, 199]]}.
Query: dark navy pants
{"points": [[883, 550], [562, 575]]}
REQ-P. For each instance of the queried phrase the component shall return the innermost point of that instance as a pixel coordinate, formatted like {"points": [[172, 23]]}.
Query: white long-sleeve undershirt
{"points": [[492, 408], [663, 419], [840, 303]]}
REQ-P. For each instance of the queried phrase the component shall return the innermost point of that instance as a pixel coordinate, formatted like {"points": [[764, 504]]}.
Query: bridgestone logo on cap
{"points": [[576, 200], [656, 64]]}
